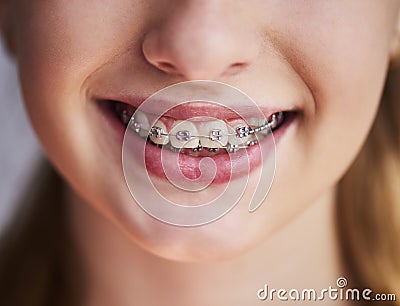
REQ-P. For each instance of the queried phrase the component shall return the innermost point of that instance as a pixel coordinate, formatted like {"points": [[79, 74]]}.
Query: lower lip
{"points": [[189, 165]]}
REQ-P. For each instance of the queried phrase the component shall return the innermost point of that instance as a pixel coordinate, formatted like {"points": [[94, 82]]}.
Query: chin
{"points": [[210, 243], [229, 237]]}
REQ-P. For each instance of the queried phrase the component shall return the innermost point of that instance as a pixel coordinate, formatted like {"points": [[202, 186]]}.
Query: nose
{"points": [[202, 41]]}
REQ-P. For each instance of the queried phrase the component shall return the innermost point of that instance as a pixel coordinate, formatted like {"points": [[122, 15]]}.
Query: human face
{"points": [[325, 59]]}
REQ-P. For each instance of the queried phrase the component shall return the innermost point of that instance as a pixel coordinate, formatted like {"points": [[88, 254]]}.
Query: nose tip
{"points": [[208, 48]]}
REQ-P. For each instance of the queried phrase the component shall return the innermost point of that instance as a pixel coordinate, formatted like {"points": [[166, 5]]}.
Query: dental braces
{"points": [[231, 148], [214, 135]]}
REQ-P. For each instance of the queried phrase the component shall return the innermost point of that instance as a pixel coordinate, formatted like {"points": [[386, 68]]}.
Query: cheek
{"points": [[341, 53], [347, 79], [344, 64], [59, 45]]}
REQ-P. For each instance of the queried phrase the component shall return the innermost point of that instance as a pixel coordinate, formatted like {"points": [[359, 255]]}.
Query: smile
{"points": [[199, 136], [199, 131]]}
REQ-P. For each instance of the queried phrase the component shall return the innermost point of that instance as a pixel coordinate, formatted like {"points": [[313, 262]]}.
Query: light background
{"points": [[19, 150]]}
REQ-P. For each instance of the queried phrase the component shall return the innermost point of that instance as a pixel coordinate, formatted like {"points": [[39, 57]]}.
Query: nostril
{"points": [[235, 68], [167, 67], [238, 65]]}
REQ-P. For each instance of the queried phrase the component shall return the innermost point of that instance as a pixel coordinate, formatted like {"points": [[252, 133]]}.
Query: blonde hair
{"points": [[368, 201]]}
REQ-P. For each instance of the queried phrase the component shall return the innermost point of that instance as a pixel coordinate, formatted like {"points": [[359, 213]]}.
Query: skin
{"points": [[327, 58]]}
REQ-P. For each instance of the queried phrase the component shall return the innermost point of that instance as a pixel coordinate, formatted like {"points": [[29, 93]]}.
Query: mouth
{"points": [[197, 132]]}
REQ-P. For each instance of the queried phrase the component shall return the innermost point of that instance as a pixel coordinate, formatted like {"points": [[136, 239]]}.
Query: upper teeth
{"points": [[212, 134], [182, 133], [215, 134], [158, 133], [144, 126], [241, 135]]}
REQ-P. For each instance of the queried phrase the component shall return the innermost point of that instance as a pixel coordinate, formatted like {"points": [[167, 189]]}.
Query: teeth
{"points": [[211, 135], [124, 116], [182, 133], [239, 141], [160, 127], [217, 131], [232, 148], [242, 131], [143, 125], [173, 149], [254, 122], [276, 119]]}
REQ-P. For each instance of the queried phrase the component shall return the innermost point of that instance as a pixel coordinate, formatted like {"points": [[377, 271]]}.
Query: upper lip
{"points": [[195, 108]]}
